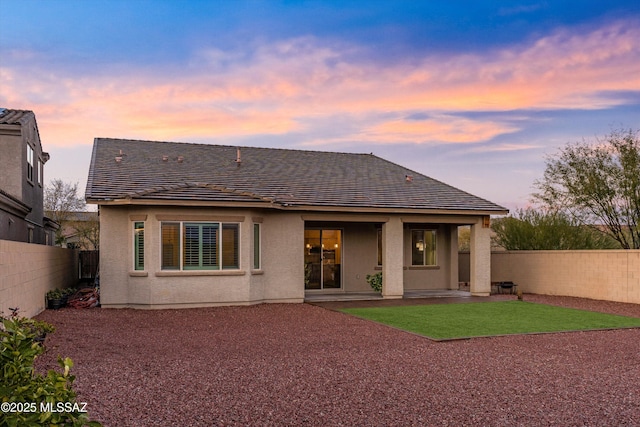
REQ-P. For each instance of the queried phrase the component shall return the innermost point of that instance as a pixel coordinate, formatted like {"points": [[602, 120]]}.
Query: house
{"points": [[22, 161], [78, 230], [187, 225]]}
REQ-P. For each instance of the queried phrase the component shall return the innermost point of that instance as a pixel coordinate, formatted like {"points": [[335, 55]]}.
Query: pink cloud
{"points": [[286, 87], [443, 128]]}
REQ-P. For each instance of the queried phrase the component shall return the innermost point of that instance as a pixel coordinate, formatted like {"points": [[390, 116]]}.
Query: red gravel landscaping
{"points": [[298, 364]]}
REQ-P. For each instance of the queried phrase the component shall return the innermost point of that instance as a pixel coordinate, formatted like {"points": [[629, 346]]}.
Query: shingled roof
{"points": [[15, 117], [145, 171]]}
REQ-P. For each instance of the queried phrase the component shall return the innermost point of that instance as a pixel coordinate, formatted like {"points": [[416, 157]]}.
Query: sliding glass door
{"points": [[322, 259]]}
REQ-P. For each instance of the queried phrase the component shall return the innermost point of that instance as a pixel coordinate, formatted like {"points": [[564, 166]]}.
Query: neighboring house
{"points": [[186, 225], [22, 162], [80, 230]]}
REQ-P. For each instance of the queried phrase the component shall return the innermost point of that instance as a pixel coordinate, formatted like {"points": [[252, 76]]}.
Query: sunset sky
{"points": [[473, 93]]}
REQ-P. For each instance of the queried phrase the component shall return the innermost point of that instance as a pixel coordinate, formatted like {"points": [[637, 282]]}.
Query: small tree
{"points": [[598, 184], [88, 232], [60, 202], [464, 239], [531, 229]]}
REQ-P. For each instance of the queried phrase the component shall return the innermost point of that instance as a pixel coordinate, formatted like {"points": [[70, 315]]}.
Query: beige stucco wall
{"points": [[28, 271], [432, 277], [603, 275], [281, 276], [279, 279], [360, 255]]}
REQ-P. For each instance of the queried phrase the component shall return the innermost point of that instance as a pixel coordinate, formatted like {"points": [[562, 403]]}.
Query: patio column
{"points": [[480, 258], [392, 259]]}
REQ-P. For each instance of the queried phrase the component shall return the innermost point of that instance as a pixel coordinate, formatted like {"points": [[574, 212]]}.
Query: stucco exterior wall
{"points": [[282, 272], [612, 275], [360, 255], [279, 279], [428, 277], [28, 271], [11, 176]]}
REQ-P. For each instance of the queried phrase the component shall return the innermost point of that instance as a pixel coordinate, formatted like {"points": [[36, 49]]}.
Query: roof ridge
{"points": [[234, 146]]}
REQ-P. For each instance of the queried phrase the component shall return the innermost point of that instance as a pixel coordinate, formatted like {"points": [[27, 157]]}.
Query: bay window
{"points": [[200, 246]]}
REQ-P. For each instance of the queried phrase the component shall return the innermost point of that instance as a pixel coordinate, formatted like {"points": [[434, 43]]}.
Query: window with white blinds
{"points": [[138, 245], [204, 246]]}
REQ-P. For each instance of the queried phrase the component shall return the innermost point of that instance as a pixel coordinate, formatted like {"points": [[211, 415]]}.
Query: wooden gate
{"points": [[88, 264]]}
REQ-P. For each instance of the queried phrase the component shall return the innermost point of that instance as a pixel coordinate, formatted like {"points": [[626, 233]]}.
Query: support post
{"points": [[480, 258], [392, 259]]}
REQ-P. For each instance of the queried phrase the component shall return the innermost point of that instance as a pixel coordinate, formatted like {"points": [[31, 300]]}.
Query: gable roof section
{"points": [[15, 117], [145, 171], [10, 118]]}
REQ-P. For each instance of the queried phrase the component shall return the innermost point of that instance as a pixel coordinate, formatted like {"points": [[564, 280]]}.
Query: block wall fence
{"points": [[610, 275], [28, 271]]}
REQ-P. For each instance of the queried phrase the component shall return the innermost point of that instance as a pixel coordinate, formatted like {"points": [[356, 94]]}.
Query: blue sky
{"points": [[473, 93]]}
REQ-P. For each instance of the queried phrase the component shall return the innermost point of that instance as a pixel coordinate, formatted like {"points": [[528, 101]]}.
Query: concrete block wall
{"points": [[28, 271], [612, 275]]}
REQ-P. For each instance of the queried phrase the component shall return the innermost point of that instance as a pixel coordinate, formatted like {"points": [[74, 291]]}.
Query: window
{"points": [[29, 162], [423, 247], [379, 246], [200, 246], [40, 172], [256, 246], [170, 245], [138, 245]]}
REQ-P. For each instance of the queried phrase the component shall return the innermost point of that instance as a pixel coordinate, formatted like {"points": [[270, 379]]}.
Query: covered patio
{"points": [[374, 296]]}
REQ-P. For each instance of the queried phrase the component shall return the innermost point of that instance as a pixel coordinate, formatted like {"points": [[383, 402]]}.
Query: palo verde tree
{"points": [[597, 184], [531, 229]]}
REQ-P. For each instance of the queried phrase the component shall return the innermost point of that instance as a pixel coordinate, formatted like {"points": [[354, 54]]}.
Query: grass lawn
{"points": [[451, 321]]}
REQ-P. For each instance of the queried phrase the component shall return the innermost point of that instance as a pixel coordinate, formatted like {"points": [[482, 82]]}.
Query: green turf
{"points": [[450, 321]]}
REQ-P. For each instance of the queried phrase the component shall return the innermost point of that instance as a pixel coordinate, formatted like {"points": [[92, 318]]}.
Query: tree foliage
{"points": [[60, 202], [532, 229], [597, 184], [28, 397], [88, 233]]}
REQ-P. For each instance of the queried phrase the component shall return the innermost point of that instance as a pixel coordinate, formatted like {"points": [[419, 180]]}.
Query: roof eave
{"points": [[399, 210], [175, 202], [288, 207]]}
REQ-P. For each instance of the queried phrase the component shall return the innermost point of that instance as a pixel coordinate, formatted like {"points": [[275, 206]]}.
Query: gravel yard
{"points": [[298, 364]]}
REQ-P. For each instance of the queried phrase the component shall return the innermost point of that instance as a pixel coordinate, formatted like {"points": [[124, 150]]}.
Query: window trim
{"points": [[30, 164], [40, 172], [136, 243]]}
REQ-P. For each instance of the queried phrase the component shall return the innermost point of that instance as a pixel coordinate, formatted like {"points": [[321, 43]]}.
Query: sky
{"points": [[478, 94]]}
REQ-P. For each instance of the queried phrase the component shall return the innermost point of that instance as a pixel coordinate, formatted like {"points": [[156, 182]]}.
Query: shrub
{"points": [[375, 281], [55, 294], [20, 384]]}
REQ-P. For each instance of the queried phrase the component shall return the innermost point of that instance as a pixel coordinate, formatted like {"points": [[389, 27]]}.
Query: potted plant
{"points": [[54, 299], [66, 293], [375, 281]]}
